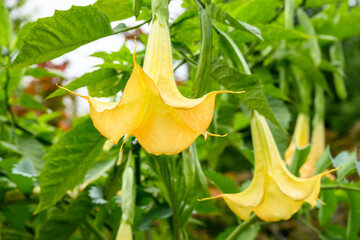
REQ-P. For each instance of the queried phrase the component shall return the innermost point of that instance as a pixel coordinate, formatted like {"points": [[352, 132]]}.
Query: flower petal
{"points": [[276, 205]]}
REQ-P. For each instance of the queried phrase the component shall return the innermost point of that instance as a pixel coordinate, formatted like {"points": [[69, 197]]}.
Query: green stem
{"points": [[340, 187], [241, 227], [96, 231]]}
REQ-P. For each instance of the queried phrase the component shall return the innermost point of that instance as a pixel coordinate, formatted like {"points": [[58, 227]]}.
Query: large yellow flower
{"points": [[151, 107], [274, 193], [301, 136]]}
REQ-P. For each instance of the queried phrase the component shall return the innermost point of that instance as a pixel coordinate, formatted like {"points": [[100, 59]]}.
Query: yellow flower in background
{"points": [[317, 149], [274, 194], [301, 136], [151, 107], [124, 232]]}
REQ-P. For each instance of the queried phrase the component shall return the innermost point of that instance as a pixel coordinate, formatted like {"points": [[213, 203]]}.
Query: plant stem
{"points": [[241, 227], [96, 231], [340, 187]]}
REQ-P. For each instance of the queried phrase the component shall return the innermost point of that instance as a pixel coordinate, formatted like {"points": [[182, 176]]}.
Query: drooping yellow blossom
{"points": [[124, 232], [151, 107], [274, 193], [317, 149], [301, 136]]}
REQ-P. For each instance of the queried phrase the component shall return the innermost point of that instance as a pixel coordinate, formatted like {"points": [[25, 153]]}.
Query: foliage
{"points": [[61, 179]]}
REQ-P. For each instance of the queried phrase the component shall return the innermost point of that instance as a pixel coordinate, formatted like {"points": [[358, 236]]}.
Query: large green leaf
{"points": [[5, 25], [235, 81], [91, 78], [53, 36], [60, 226], [68, 161]]}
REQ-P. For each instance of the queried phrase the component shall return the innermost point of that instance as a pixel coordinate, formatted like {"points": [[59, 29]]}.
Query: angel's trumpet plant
{"points": [[151, 107], [301, 136], [274, 193]]}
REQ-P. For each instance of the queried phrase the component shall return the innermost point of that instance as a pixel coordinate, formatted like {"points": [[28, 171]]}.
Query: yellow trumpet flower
{"points": [[274, 193], [151, 107], [124, 232], [301, 136], [317, 149]]}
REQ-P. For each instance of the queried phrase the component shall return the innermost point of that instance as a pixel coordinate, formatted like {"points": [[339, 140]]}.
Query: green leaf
{"points": [[98, 170], [17, 215], [235, 81], [8, 148], [39, 73], [88, 79], [253, 11], [327, 209], [68, 161], [216, 13], [136, 7], [60, 226], [24, 168], [353, 225], [225, 184], [53, 36], [324, 161], [96, 194], [202, 71], [299, 158], [115, 9], [33, 150], [29, 102], [342, 24], [347, 163], [5, 26]]}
